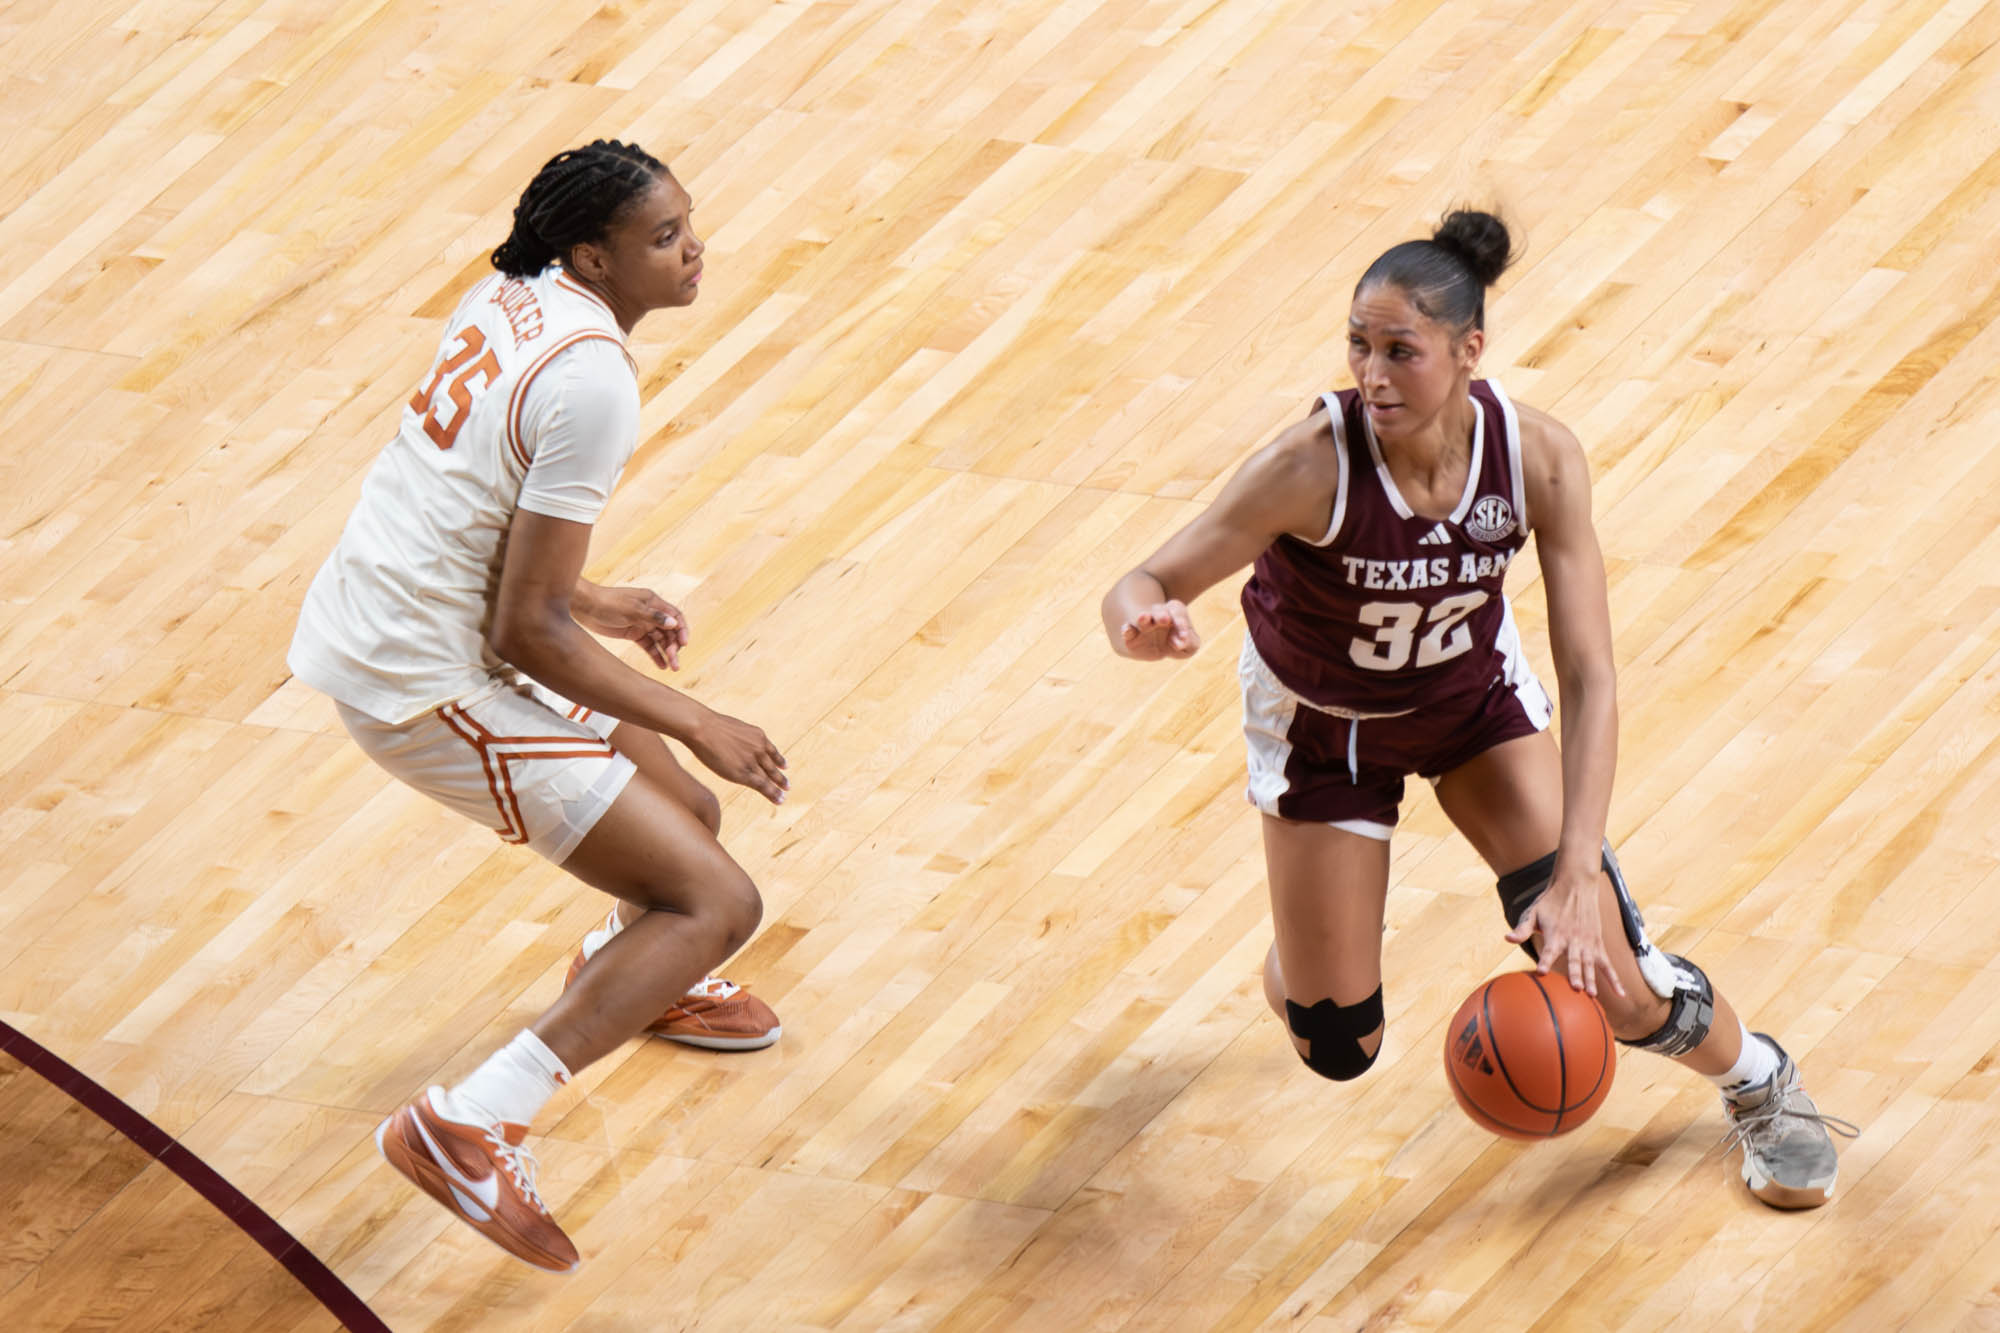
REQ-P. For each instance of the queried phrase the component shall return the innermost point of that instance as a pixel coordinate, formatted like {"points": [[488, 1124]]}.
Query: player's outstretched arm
{"points": [[1557, 478], [535, 629], [1284, 487]]}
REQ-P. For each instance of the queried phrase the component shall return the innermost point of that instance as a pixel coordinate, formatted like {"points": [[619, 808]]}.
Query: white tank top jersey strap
{"points": [[531, 403]]}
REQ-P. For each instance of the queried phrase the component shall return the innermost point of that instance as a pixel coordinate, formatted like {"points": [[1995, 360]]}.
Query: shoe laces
{"points": [[713, 988], [521, 1167], [1762, 1126]]}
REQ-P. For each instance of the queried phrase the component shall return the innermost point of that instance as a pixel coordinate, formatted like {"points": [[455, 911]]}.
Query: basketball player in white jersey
{"points": [[1380, 644], [449, 626]]}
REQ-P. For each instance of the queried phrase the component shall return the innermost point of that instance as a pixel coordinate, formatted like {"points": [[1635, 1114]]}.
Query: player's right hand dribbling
{"points": [[740, 752], [1161, 630]]}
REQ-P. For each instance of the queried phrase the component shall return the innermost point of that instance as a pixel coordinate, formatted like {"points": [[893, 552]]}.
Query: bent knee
{"points": [[741, 915], [1341, 1041], [719, 900], [1680, 1024], [708, 809], [1343, 1060], [1633, 1017], [719, 924], [729, 907]]}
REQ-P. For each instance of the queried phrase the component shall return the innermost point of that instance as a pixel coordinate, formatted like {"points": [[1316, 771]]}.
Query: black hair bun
{"points": [[1479, 240]]}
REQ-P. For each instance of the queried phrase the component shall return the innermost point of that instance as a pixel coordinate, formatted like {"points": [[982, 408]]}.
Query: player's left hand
{"points": [[1566, 920], [641, 615]]}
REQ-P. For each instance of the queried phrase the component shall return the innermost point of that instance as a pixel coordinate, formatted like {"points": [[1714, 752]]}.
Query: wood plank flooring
{"points": [[998, 296]]}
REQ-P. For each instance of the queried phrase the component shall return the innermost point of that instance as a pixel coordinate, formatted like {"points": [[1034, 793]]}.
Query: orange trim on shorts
{"points": [[490, 738], [450, 715], [507, 777], [497, 752]]}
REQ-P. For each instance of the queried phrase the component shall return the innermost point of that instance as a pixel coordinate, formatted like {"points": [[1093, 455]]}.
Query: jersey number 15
{"points": [[444, 414]]}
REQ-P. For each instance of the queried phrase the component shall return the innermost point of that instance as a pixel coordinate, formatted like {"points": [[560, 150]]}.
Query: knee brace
{"points": [[1519, 889], [1669, 976], [1690, 1016], [1333, 1032]]}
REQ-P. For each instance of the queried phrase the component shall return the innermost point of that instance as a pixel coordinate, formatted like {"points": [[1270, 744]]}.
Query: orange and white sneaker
{"points": [[716, 1015], [482, 1174]]}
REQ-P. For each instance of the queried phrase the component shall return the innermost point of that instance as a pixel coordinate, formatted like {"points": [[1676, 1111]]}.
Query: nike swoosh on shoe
{"points": [[470, 1207], [487, 1191]]}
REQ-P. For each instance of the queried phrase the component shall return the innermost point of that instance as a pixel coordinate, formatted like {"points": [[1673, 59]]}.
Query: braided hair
{"points": [[577, 197], [1447, 276]]}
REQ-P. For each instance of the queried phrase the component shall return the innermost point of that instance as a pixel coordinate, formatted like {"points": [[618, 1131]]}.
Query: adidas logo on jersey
{"points": [[1437, 536]]}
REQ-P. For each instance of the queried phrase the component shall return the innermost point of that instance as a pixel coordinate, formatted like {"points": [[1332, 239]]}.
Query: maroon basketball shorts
{"points": [[1326, 765]]}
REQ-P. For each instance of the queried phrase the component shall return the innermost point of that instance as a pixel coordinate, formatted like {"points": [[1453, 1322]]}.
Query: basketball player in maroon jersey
{"points": [[1380, 644]]}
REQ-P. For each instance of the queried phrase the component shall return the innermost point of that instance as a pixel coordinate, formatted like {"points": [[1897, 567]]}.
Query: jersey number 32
{"points": [[1396, 625], [444, 413]]}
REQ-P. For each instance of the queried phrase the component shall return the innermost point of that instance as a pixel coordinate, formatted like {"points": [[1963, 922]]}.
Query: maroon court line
{"points": [[231, 1202]]}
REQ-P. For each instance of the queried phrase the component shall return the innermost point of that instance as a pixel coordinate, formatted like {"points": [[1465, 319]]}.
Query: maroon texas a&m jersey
{"points": [[1391, 611]]}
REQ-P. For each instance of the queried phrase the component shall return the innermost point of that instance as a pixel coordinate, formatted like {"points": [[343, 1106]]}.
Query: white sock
{"points": [[600, 937], [1757, 1064], [511, 1087]]}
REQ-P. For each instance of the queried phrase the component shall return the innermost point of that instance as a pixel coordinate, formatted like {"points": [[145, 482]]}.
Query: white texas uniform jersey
{"points": [[532, 403]]}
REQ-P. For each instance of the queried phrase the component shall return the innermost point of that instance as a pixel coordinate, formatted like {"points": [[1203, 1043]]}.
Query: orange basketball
{"points": [[1528, 1056]]}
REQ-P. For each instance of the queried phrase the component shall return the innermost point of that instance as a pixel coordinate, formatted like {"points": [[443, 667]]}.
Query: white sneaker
{"points": [[1788, 1157]]}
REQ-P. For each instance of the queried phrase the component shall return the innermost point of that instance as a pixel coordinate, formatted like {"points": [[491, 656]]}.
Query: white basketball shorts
{"points": [[515, 756]]}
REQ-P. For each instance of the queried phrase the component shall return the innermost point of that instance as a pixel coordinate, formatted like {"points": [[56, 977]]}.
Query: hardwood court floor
{"points": [[997, 296], [101, 1233]]}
